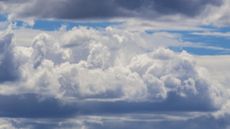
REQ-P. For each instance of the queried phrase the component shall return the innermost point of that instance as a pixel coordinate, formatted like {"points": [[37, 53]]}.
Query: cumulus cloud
{"points": [[90, 71], [111, 77], [72, 9]]}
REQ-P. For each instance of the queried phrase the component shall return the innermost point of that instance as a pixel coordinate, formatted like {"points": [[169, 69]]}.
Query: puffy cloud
{"points": [[107, 78], [109, 69], [126, 77]]}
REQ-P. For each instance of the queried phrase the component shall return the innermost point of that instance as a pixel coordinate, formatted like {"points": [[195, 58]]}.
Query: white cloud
{"points": [[107, 65], [218, 67], [108, 71], [6, 124], [218, 16]]}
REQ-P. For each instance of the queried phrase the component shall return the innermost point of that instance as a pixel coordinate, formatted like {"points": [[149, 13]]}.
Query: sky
{"points": [[114, 64]]}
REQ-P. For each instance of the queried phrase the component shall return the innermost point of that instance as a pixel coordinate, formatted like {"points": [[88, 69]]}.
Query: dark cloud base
{"points": [[116, 122], [91, 9], [37, 106]]}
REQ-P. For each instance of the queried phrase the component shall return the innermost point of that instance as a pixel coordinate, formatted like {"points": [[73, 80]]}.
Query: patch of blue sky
{"points": [[206, 41], [3, 17], [200, 51], [19, 23], [210, 41], [216, 29]]}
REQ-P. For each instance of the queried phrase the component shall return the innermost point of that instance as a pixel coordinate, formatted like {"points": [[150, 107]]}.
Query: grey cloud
{"points": [[8, 66], [185, 7], [200, 122], [37, 106], [78, 9], [13, 1], [194, 123], [128, 121], [33, 106]]}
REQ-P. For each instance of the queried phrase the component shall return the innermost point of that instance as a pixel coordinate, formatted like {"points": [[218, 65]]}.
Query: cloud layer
{"points": [[133, 121], [78, 9]]}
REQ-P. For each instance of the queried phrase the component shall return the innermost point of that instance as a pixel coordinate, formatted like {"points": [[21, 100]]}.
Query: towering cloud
{"points": [[109, 69]]}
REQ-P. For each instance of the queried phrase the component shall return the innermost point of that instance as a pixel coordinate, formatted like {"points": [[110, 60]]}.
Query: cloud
{"points": [[8, 65], [134, 121], [217, 68], [33, 106], [79, 9], [4, 124], [218, 16], [178, 122], [89, 71], [111, 78]]}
